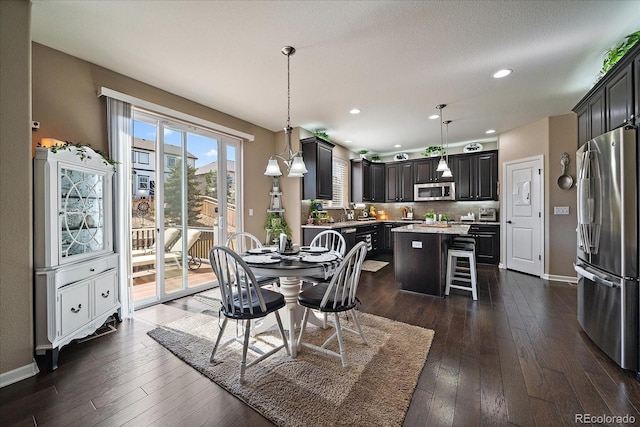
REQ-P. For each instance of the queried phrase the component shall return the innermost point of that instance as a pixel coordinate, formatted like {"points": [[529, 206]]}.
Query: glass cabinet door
{"points": [[81, 212]]}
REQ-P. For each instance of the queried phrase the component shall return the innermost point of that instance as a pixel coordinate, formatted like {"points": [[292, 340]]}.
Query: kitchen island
{"points": [[420, 256]]}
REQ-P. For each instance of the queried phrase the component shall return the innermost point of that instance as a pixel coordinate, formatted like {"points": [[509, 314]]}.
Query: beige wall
{"points": [[65, 102], [549, 137], [16, 295], [563, 137]]}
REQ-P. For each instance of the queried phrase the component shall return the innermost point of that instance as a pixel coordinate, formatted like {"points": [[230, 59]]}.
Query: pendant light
{"points": [[292, 159], [447, 172], [442, 164]]}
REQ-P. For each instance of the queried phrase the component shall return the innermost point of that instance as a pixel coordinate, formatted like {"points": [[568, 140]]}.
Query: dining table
{"points": [[290, 267]]}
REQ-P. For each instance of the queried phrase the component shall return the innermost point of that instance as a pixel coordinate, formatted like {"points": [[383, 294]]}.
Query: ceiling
{"points": [[395, 60]]}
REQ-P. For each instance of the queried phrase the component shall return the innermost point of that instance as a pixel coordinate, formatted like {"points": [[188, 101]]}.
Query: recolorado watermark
{"points": [[603, 419]]}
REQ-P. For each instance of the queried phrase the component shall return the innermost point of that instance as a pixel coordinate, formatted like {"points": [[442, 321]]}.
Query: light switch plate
{"points": [[561, 210]]}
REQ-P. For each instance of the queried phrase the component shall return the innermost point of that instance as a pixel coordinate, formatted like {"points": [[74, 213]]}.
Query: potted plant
{"points": [[433, 151], [375, 157], [275, 224], [363, 153], [430, 217]]}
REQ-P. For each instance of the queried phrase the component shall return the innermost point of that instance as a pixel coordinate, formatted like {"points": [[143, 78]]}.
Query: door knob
{"points": [[509, 222]]}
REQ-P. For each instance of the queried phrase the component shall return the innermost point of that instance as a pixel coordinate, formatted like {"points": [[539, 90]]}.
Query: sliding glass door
{"points": [[184, 202]]}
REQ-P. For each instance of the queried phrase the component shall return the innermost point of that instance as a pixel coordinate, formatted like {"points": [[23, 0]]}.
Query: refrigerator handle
{"points": [[595, 277]]}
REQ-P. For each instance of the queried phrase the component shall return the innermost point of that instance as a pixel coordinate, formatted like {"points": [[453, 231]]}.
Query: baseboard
{"points": [[19, 374], [556, 278]]}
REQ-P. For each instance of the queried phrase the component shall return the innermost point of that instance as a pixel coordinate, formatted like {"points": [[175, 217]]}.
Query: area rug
{"points": [[312, 389], [372, 265], [211, 297]]}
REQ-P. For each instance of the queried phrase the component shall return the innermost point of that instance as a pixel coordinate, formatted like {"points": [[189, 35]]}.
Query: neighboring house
{"points": [[205, 174], [144, 167]]}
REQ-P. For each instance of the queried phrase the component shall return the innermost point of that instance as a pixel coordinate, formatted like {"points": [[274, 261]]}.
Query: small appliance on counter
{"points": [[468, 217], [487, 214]]}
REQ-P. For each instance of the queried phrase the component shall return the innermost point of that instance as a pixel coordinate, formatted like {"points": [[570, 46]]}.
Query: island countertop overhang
{"points": [[458, 229]]}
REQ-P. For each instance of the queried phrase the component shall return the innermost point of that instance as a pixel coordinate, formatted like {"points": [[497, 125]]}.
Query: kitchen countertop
{"points": [[430, 229], [344, 224]]}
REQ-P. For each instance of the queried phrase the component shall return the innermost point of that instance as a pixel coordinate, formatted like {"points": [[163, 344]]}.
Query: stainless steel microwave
{"points": [[435, 191]]}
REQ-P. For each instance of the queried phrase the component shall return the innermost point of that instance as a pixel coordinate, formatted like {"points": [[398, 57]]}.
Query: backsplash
{"points": [[393, 210]]}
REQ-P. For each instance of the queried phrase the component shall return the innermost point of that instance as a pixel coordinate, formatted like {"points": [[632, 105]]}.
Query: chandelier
{"points": [[447, 172], [292, 159], [443, 165]]}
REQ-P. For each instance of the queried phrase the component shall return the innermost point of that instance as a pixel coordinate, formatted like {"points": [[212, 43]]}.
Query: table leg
{"points": [[290, 288]]}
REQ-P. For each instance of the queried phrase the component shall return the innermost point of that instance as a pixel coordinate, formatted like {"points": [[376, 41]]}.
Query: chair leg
{"points": [[284, 336], [449, 274], [243, 363], [364, 340], [305, 318], [343, 353], [215, 347], [474, 278]]}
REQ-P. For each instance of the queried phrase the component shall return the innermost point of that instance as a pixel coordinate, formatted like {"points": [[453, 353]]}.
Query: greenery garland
{"points": [[613, 55], [81, 151]]}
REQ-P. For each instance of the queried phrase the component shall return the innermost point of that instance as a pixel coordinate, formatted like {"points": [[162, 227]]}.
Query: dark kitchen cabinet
{"points": [[425, 171], [613, 101], [476, 176], [367, 181], [317, 183], [387, 238], [399, 182], [619, 99], [636, 89], [591, 118], [377, 182], [487, 239]]}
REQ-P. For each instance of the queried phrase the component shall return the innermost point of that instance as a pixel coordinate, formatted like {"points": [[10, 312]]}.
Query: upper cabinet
{"points": [[367, 181], [476, 176], [613, 101], [317, 183], [424, 171], [399, 182], [377, 182]]}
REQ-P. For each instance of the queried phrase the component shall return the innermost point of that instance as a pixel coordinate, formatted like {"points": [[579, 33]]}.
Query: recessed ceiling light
{"points": [[348, 141], [491, 131], [398, 145], [355, 111], [502, 73], [433, 116]]}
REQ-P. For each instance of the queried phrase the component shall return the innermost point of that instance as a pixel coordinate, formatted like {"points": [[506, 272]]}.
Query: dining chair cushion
{"points": [[312, 298], [272, 300]]}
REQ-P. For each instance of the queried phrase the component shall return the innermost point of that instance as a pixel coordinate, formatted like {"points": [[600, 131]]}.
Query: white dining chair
{"points": [[244, 300], [335, 243], [337, 296], [244, 241]]}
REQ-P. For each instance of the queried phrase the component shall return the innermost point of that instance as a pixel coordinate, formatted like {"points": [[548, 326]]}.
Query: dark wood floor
{"points": [[515, 357]]}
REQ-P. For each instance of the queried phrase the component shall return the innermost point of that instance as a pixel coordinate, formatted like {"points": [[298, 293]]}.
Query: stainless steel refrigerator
{"points": [[607, 258]]}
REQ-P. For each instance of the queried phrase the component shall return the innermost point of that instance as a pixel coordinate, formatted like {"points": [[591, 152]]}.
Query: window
{"points": [[340, 191], [143, 182], [171, 162], [143, 158]]}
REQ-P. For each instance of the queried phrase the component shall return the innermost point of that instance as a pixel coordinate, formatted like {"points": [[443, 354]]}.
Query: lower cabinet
{"points": [[73, 301], [487, 243]]}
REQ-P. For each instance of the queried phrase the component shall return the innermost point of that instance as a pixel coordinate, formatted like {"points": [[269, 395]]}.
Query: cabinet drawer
{"points": [[85, 269], [74, 312], [105, 292]]}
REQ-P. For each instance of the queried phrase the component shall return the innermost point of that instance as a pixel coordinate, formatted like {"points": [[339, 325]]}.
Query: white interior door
{"points": [[523, 220]]}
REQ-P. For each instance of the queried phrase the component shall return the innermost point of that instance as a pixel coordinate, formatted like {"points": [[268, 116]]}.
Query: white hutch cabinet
{"points": [[76, 276]]}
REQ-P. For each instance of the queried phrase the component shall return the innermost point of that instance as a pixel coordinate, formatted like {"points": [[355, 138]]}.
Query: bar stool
{"points": [[462, 248]]}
